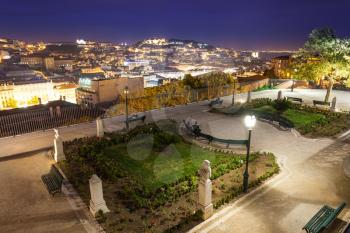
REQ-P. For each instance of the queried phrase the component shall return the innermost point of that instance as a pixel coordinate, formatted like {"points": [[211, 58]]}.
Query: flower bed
{"points": [[150, 176]]}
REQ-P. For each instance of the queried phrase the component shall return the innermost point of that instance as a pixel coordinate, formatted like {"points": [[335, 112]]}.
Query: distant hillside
{"points": [[168, 43], [63, 49]]}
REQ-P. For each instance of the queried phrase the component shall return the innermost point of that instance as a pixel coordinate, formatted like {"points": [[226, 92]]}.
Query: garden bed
{"points": [[150, 177], [309, 121]]}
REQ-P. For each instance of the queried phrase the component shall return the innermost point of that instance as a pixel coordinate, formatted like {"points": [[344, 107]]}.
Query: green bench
{"points": [[322, 103], [295, 99], [282, 122], [53, 181], [323, 219], [136, 117], [215, 102]]}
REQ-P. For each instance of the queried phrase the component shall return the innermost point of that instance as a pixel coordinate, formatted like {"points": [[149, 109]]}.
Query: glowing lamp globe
{"points": [[250, 121], [126, 90]]}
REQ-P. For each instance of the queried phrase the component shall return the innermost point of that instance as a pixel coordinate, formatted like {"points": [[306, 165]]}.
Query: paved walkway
{"points": [[25, 204], [313, 174]]}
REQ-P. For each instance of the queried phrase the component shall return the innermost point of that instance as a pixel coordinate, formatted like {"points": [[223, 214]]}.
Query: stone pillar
{"points": [[97, 201], [333, 104], [205, 190], [249, 96], [100, 128], [58, 143], [279, 95], [51, 112], [58, 110]]}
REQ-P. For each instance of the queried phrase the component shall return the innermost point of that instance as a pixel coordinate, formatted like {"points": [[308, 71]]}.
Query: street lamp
{"points": [[249, 122], [126, 92], [295, 70]]}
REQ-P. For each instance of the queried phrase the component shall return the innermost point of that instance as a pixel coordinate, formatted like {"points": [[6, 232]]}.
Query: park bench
{"points": [[322, 103], [53, 180], [295, 99], [136, 117], [323, 219], [215, 102], [281, 121]]}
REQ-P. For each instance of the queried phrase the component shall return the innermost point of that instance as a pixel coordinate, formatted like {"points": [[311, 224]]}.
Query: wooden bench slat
{"points": [[217, 101], [300, 100], [323, 103], [323, 219], [53, 181], [318, 223]]}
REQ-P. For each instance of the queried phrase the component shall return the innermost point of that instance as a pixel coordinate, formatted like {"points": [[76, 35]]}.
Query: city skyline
{"points": [[268, 25]]}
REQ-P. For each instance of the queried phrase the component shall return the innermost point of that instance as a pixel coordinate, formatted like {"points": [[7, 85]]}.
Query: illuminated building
{"points": [[281, 66], [49, 63], [39, 61], [4, 55], [64, 63], [136, 63], [32, 61], [66, 92], [101, 90], [27, 93], [255, 54], [6, 96], [91, 70]]}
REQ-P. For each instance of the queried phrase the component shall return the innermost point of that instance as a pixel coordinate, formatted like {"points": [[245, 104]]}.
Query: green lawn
{"points": [[266, 108], [153, 169], [302, 118]]}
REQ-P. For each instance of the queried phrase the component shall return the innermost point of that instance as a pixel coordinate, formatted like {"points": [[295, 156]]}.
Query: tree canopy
{"points": [[202, 81], [324, 56]]}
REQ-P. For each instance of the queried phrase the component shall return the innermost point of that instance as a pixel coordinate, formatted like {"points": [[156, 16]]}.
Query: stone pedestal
{"points": [[100, 128], [58, 144], [249, 96], [204, 199], [333, 104], [97, 201], [279, 95], [205, 191]]}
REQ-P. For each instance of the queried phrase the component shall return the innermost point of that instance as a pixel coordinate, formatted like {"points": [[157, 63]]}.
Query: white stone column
{"points": [[51, 112], [58, 143], [333, 104], [249, 96], [205, 190], [279, 95], [97, 201], [100, 127]]}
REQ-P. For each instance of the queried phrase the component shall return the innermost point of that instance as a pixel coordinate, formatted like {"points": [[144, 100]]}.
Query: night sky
{"points": [[238, 24]]}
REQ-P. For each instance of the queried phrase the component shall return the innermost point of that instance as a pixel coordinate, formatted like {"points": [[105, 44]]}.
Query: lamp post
{"points": [[249, 122], [295, 70], [126, 92]]}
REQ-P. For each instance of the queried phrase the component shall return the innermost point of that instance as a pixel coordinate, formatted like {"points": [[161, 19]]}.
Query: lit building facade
{"points": [[281, 66], [23, 94], [100, 90]]}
